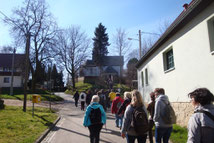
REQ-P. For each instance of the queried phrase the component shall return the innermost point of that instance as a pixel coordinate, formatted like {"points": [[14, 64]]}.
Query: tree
{"points": [[131, 71], [7, 49], [33, 20], [121, 44], [72, 50], [100, 44]]}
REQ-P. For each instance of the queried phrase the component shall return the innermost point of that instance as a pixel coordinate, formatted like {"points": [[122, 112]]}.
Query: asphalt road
{"points": [[70, 128]]}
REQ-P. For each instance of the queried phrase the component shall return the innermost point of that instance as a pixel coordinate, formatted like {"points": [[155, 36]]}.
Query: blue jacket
{"points": [[94, 105]]}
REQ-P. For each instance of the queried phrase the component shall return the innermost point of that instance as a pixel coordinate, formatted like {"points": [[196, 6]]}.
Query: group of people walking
{"points": [[136, 120]]}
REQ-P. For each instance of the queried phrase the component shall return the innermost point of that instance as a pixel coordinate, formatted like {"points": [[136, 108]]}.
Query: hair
{"points": [[117, 94], [202, 96], [160, 90], [137, 99], [127, 95], [95, 98], [152, 96]]}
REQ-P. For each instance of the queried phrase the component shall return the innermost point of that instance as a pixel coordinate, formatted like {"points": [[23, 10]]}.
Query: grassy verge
{"points": [[179, 134], [45, 97], [80, 86], [17, 126]]}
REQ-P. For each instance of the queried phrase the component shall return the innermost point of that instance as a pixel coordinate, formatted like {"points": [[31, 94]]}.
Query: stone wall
{"points": [[183, 111]]}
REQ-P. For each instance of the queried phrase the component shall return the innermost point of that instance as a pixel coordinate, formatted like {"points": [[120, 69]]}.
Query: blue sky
{"points": [[131, 15]]}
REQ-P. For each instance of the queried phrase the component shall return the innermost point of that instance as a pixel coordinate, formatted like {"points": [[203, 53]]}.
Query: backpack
{"points": [[140, 121], [168, 114], [95, 116], [82, 96]]}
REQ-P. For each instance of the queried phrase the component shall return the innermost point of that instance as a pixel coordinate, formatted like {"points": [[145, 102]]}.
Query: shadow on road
{"points": [[58, 128]]}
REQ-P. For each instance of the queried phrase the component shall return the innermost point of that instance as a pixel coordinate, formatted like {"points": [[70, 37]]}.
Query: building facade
{"points": [[6, 70], [182, 59]]}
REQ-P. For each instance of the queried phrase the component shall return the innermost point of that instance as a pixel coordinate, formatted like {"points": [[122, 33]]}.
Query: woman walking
{"points": [[128, 130]]}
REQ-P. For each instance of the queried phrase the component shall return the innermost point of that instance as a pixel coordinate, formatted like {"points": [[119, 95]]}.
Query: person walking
{"points": [[111, 96], [82, 100], [127, 101], [88, 97], [116, 103], [201, 123], [129, 128], [76, 98], [94, 119], [162, 130], [151, 110]]}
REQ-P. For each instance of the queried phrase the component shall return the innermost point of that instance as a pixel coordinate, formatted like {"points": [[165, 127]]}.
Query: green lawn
{"points": [[17, 126], [45, 97], [179, 134]]}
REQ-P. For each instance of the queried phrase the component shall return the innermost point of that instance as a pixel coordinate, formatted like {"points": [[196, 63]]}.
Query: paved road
{"points": [[70, 129]]}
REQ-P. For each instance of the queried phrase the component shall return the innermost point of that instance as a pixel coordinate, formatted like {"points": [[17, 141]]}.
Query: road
{"points": [[70, 128]]}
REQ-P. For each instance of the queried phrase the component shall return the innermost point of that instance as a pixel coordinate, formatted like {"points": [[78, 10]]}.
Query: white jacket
{"points": [[82, 99]]}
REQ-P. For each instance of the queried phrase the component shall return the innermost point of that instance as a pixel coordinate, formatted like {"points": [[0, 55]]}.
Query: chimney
{"points": [[185, 6]]}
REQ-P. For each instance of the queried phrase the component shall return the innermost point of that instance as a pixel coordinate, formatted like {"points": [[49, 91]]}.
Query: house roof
{"points": [[194, 8], [109, 69], [6, 60], [108, 61]]}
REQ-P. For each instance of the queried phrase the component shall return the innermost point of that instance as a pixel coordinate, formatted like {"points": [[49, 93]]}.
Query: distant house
{"points": [[6, 68], [111, 69], [182, 59]]}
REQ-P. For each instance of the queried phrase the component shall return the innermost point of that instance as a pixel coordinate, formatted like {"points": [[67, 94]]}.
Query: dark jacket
{"points": [[123, 106], [151, 109], [76, 96]]}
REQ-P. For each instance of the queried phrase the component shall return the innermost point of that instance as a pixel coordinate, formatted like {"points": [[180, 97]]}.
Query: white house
{"points": [[182, 59], [111, 66], [6, 68]]}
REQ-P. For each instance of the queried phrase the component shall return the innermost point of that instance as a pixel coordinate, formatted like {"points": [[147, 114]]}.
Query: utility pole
{"points": [[12, 72], [140, 52], [26, 69]]}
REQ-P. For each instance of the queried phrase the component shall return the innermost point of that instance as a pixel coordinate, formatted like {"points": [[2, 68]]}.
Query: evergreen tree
{"points": [[100, 44]]}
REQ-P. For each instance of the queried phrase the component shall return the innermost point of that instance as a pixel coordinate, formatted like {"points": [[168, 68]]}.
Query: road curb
{"points": [[45, 133]]}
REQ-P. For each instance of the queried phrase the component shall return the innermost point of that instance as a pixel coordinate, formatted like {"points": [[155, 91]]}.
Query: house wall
{"points": [[91, 71], [17, 81], [193, 64]]}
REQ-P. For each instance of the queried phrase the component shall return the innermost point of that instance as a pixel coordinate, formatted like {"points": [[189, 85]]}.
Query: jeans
{"points": [[83, 105], [140, 138], [118, 120], [162, 133], [95, 133]]}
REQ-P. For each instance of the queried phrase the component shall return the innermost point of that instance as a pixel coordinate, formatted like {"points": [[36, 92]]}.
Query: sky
{"points": [[131, 15]]}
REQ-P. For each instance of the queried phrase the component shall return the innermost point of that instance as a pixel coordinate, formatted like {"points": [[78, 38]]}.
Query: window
{"points": [[6, 69], [210, 24], [142, 78], [168, 59], [146, 74], [6, 80]]}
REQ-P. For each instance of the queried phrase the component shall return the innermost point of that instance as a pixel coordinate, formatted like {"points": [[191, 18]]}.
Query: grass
{"points": [[80, 86], [44, 97], [179, 134], [17, 126]]}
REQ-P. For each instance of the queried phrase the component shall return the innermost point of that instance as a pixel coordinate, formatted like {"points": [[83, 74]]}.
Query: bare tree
{"points": [[33, 25], [122, 45], [120, 41], [33, 19], [7, 49], [73, 48]]}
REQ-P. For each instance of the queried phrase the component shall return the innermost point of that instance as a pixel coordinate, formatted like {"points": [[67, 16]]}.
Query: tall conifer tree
{"points": [[100, 44]]}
